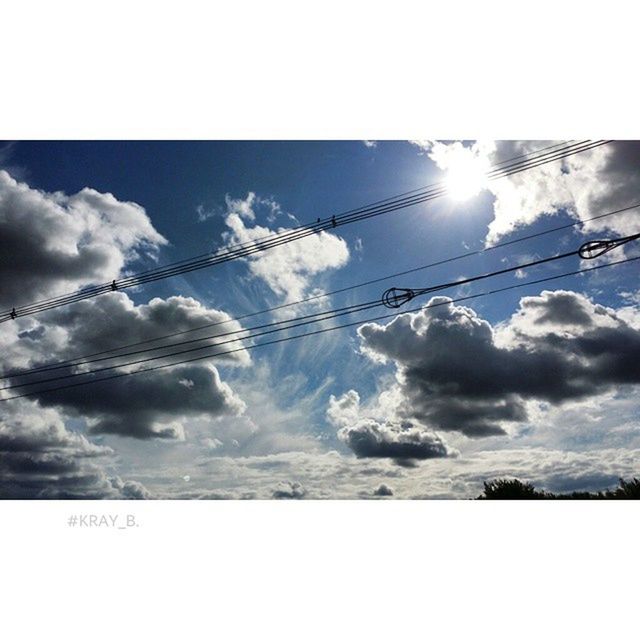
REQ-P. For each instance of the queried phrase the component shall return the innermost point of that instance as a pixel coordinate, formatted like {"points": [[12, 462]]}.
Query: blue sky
{"points": [[296, 395], [171, 180]]}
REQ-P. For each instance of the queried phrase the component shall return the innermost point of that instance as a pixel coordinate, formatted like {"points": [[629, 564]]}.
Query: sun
{"points": [[466, 174], [465, 167]]}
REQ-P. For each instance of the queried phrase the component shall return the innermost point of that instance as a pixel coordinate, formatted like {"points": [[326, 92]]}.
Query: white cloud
{"points": [[344, 410], [92, 326], [585, 185], [287, 269], [336, 476]]}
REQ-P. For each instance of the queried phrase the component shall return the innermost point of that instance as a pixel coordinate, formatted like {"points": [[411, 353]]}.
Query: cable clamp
{"points": [[394, 298]]}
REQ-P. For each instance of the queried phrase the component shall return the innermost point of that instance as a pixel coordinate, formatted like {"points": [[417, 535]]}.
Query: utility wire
{"points": [[396, 297], [305, 320], [246, 249], [529, 154], [257, 245], [320, 331], [86, 358]]}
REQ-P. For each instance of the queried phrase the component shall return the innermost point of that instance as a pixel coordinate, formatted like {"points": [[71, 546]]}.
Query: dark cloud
{"points": [[289, 491], [72, 240], [41, 458], [368, 437], [111, 321], [383, 491], [560, 307], [403, 442], [619, 178], [51, 243], [456, 376], [149, 405]]}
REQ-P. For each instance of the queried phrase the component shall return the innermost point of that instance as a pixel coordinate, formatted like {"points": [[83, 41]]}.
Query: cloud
{"points": [[289, 491], [458, 373], [52, 243], [404, 442], [336, 476], [149, 405], [152, 405], [286, 269], [130, 489], [371, 438], [370, 144], [41, 458], [585, 185], [110, 321], [558, 312], [383, 491], [423, 145], [344, 410], [203, 213]]}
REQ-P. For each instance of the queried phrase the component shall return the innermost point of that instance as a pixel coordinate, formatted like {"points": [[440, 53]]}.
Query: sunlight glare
{"points": [[466, 175]]}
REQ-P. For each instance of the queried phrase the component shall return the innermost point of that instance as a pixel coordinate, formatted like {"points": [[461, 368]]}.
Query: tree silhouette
{"points": [[505, 489]]}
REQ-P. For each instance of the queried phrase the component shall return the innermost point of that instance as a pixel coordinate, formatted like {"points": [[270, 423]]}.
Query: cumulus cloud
{"points": [[41, 458], [130, 489], [587, 184], [383, 491], [149, 405], [402, 441], [458, 373], [345, 409], [368, 437], [289, 491], [584, 185], [110, 321], [152, 405], [51, 243], [286, 269]]}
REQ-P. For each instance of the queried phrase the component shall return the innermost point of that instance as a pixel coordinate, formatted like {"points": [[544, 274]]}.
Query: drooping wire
{"points": [[95, 357], [320, 331], [245, 250], [306, 320], [395, 297]]}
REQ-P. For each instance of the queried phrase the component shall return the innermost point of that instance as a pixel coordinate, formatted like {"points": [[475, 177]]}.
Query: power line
{"points": [[320, 331], [310, 318], [529, 154], [283, 325], [395, 297], [94, 357], [247, 249], [254, 246], [304, 320]]}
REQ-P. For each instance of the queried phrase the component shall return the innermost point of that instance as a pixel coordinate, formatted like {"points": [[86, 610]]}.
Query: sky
{"points": [[539, 382]]}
